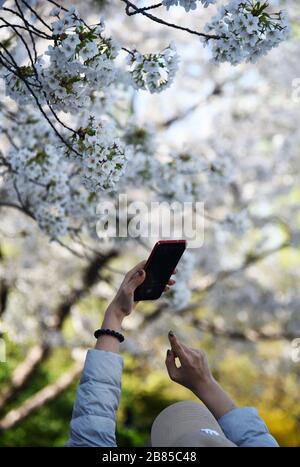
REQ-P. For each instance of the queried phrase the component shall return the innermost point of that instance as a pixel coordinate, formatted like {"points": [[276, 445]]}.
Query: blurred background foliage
{"points": [[249, 378]]}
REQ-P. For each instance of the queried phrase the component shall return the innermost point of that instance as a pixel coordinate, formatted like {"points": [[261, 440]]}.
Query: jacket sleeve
{"points": [[244, 427], [94, 413]]}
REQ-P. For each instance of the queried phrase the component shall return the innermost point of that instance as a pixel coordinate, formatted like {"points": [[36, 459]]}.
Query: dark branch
{"points": [[37, 354], [130, 5], [146, 8], [250, 335], [34, 12], [38, 31], [29, 87], [40, 398]]}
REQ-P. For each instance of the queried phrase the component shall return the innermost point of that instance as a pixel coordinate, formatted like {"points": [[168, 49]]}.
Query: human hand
{"points": [[123, 303], [121, 306], [194, 373]]}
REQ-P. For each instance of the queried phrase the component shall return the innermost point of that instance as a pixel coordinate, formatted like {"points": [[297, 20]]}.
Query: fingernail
{"points": [[171, 333]]}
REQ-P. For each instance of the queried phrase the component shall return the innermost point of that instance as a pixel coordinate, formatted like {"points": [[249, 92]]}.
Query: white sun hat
{"points": [[187, 424]]}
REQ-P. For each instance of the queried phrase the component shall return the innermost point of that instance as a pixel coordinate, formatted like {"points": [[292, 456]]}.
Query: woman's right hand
{"points": [[194, 373]]}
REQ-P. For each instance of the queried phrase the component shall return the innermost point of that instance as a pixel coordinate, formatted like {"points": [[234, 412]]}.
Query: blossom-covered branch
{"points": [[67, 145], [242, 30], [132, 9]]}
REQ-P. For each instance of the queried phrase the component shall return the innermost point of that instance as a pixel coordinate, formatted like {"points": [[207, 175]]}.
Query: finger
{"points": [[173, 371], [171, 282], [177, 347], [134, 270], [140, 265], [137, 279], [188, 350]]}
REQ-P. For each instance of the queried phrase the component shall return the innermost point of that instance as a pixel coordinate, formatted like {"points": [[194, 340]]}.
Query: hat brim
{"points": [[184, 422]]}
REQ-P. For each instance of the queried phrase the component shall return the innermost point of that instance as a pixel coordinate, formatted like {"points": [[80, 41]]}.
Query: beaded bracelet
{"points": [[109, 332]]}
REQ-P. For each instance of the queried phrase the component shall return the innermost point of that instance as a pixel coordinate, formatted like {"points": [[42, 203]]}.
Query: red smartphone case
{"points": [[154, 284]]}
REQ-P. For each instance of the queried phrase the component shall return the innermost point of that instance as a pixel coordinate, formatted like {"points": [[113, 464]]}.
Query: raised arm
{"points": [[242, 426], [94, 414]]}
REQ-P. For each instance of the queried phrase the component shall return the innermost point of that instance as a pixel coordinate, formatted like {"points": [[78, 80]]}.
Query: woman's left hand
{"points": [[123, 303], [121, 306]]}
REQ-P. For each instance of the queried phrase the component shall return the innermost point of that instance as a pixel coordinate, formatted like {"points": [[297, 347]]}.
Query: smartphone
{"points": [[159, 268]]}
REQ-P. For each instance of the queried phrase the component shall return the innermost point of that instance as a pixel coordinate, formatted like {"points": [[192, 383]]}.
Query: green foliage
{"points": [[47, 427], [145, 392]]}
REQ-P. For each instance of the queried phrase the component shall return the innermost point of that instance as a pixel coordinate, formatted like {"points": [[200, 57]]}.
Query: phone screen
{"points": [[159, 268]]}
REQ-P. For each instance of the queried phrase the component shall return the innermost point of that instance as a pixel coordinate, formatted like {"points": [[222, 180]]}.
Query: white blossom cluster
{"points": [[185, 177], [40, 174], [101, 156], [47, 184], [154, 72], [17, 87], [80, 62], [245, 31], [187, 4], [61, 186]]}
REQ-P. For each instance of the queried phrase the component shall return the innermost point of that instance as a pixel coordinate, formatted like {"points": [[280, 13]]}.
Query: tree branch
{"points": [[144, 12], [35, 14], [14, 68], [40, 399], [40, 352], [34, 29], [145, 8], [250, 335], [7, 204]]}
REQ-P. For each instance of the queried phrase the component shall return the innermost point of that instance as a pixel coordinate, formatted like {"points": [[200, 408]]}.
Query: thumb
{"points": [[171, 365], [137, 279]]}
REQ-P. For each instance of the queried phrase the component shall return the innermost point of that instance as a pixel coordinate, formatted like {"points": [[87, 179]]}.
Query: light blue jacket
{"points": [[94, 414]]}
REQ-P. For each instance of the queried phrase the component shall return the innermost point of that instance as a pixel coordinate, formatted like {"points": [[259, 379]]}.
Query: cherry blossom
{"points": [[246, 30]]}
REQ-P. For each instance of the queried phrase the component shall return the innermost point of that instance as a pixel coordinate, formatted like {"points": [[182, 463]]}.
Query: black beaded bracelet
{"points": [[109, 332]]}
